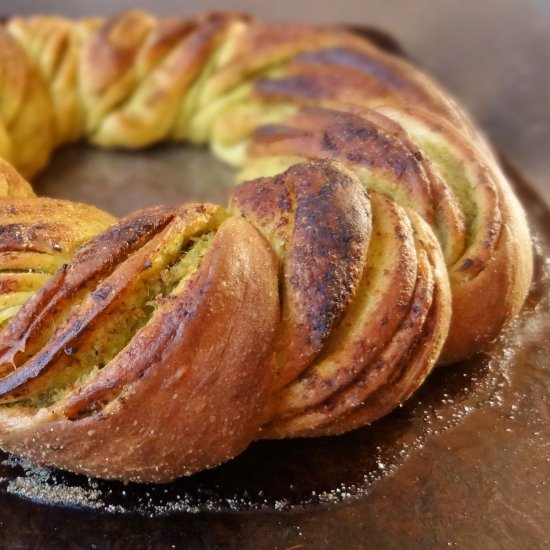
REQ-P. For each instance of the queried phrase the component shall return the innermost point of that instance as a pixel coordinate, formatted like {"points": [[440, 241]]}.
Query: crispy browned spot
{"points": [[317, 215]]}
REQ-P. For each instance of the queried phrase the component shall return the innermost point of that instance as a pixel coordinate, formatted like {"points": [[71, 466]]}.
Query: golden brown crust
{"points": [[197, 367], [498, 291], [397, 366], [370, 322], [494, 269], [92, 262], [318, 217], [379, 151], [357, 73], [171, 55], [109, 332], [103, 270], [37, 236]]}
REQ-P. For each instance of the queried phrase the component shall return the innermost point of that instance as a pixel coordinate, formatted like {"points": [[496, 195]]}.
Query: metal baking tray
{"points": [[464, 462]]}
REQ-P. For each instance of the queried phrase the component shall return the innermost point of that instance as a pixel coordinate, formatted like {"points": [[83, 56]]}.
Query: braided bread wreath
{"points": [[373, 237]]}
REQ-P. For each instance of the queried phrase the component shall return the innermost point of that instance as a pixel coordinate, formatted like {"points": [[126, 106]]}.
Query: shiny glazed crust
{"points": [[372, 236]]}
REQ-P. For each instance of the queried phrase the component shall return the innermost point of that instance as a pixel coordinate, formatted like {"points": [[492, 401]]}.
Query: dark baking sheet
{"points": [[464, 463]]}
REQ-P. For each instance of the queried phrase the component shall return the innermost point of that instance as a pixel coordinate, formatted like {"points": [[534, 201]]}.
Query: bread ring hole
{"points": [[131, 181]]}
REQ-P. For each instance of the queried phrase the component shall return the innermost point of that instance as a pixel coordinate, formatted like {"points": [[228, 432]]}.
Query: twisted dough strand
{"points": [[373, 235]]}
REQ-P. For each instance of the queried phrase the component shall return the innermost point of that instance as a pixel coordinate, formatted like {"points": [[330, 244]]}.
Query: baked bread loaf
{"points": [[372, 235]]}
